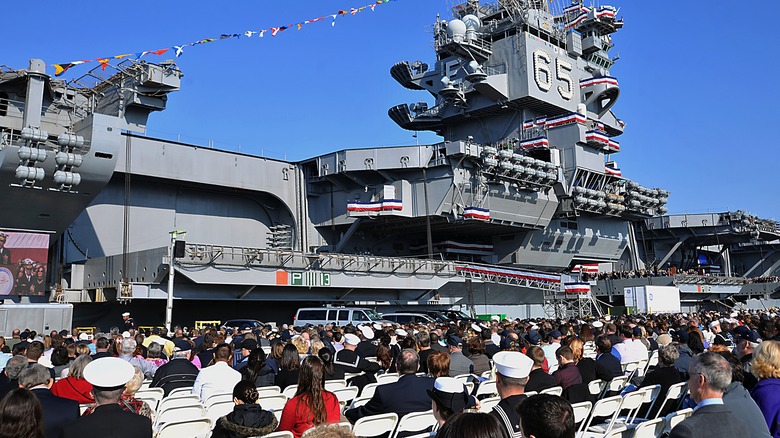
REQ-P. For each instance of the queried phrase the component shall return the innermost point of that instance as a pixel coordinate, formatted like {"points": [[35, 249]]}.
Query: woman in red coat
{"points": [[74, 386], [312, 405]]}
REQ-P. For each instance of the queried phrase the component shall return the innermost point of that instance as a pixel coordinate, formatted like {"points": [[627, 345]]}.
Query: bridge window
{"points": [[3, 104]]}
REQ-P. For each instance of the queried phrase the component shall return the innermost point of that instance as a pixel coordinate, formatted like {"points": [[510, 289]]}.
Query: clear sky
{"points": [[697, 81]]}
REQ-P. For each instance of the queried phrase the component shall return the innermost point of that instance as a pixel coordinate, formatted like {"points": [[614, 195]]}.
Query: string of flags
{"points": [[178, 50]]}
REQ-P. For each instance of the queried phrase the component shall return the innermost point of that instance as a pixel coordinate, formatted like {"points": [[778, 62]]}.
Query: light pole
{"points": [[169, 306]]}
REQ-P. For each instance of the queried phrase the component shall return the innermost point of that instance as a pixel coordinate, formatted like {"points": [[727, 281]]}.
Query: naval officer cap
{"points": [[126, 314], [367, 332], [351, 339], [513, 364], [449, 392], [108, 373]]}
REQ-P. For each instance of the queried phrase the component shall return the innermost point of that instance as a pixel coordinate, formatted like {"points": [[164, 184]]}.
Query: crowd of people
{"points": [[731, 363], [647, 273]]}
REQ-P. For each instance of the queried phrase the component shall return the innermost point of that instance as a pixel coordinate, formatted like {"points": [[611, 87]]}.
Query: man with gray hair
{"points": [[57, 411], [408, 394], [710, 376], [13, 368], [128, 346]]}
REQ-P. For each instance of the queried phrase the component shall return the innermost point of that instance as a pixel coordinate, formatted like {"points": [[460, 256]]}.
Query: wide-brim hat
{"points": [[108, 373]]}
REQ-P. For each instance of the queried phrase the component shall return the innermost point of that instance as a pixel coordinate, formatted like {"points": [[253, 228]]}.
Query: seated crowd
{"points": [[68, 384]]}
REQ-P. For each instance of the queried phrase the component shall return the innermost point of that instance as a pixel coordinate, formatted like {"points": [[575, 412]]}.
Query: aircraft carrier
{"points": [[521, 197]]}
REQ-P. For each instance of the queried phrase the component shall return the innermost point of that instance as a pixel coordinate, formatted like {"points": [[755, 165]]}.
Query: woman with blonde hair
{"points": [[74, 386], [766, 393], [585, 365]]}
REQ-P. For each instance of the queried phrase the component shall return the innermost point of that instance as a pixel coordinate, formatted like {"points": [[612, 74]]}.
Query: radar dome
{"points": [[472, 22], [456, 28]]}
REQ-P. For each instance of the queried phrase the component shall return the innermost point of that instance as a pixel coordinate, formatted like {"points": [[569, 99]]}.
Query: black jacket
{"points": [[265, 377], [538, 381], [178, 373], [245, 421], [58, 412], [608, 367], [710, 421], [408, 394], [110, 421]]}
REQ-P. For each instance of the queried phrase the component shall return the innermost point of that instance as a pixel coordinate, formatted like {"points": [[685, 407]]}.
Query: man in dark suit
{"points": [[538, 380], [58, 412], [710, 376], [108, 377], [607, 365], [179, 372], [408, 394]]}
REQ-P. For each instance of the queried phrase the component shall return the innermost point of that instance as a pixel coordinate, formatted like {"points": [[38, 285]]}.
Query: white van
{"points": [[340, 315]]}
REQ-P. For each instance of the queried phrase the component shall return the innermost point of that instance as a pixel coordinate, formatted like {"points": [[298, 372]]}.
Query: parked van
{"points": [[340, 315]]}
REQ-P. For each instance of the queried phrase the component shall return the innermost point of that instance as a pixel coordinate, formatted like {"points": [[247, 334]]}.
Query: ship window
{"points": [[3, 104]]}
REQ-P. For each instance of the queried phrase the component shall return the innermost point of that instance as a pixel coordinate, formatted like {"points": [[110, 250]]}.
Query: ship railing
{"points": [[713, 279], [52, 114], [221, 255]]}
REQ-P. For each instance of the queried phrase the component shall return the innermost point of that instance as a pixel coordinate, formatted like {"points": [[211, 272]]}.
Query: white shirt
{"points": [[219, 378], [631, 351]]}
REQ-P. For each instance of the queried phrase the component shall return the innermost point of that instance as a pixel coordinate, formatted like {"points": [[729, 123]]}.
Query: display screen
{"points": [[23, 263]]}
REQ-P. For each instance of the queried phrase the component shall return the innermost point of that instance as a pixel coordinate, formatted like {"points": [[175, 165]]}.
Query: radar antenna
{"points": [[515, 8]]}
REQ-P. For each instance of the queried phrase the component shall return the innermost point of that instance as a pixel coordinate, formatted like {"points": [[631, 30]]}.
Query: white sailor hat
{"points": [[513, 364], [377, 326], [495, 318], [126, 314], [598, 324], [401, 332], [449, 392], [351, 339], [125, 334], [714, 323], [367, 332], [476, 328], [108, 372]]}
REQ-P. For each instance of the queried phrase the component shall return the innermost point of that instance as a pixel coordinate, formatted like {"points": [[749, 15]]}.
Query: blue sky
{"points": [[697, 83]]}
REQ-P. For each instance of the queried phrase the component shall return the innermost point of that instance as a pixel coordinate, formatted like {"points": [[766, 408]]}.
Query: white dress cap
{"points": [[598, 324], [449, 385], [401, 332], [351, 339], [367, 332], [126, 314], [108, 372], [513, 364], [476, 328]]}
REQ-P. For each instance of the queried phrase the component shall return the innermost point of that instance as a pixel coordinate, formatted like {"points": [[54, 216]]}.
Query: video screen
{"points": [[23, 263]]}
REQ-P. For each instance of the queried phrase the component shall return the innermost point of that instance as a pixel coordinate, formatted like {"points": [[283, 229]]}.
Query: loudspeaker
{"points": [[178, 248]]}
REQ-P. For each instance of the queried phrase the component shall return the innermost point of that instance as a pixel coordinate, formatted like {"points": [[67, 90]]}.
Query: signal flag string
{"points": [[178, 50]]}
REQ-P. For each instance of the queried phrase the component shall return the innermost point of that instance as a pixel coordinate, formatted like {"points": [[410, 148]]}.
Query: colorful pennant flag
{"points": [[178, 50]]}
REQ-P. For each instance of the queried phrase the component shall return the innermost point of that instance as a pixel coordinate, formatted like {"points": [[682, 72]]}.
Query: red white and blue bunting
{"points": [[609, 80], [386, 205], [613, 146], [614, 171], [596, 138], [576, 288], [482, 214], [538, 142], [586, 268], [565, 120]]}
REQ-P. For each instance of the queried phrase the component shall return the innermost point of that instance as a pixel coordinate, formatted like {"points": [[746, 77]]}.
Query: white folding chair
{"points": [[263, 391], [219, 409], [186, 390], [630, 369], [387, 378], [346, 394], [464, 377], [348, 376], [615, 385], [581, 411], [358, 402], [652, 362], [415, 422], [145, 384], [650, 428], [469, 387], [272, 402], [375, 425], [553, 368], [153, 399], [290, 391], [217, 398], [195, 427], [651, 394], [606, 407], [676, 418], [147, 391], [180, 413], [631, 402], [486, 405], [487, 388], [596, 387], [673, 395], [332, 385], [282, 434], [368, 390], [176, 402], [555, 390], [488, 375], [616, 432]]}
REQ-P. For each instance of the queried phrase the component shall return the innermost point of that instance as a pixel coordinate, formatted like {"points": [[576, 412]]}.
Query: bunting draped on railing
{"points": [[178, 50]]}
